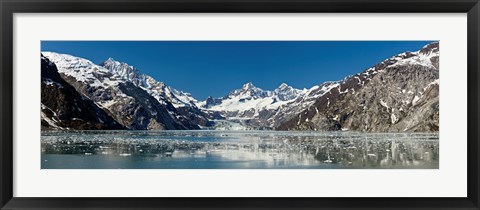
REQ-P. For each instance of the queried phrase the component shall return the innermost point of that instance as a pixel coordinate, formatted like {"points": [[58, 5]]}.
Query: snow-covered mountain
{"points": [[245, 99], [157, 89], [130, 97], [396, 95], [286, 93], [263, 108], [182, 101]]}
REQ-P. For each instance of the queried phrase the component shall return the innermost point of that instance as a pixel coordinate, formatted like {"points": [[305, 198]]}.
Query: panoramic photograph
{"points": [[239, 104]]}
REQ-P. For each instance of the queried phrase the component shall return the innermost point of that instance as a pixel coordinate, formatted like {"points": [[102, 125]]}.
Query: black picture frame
{"points": [[10, 7]]}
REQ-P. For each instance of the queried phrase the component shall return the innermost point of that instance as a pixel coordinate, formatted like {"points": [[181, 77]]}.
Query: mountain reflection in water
{"points": [[238, 150]]}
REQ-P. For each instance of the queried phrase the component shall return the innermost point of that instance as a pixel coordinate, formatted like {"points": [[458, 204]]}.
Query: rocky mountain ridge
{"points": [[400, 94]]}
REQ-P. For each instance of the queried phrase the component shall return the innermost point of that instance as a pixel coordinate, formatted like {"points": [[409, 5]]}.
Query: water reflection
{"points": [[259, 149]]}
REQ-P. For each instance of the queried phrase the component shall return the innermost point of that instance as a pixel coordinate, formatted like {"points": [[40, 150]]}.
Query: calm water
{"points": [[238, 150]]}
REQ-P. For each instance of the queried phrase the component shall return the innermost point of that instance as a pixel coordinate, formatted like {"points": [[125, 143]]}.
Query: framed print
{"points": [[239, 105]]}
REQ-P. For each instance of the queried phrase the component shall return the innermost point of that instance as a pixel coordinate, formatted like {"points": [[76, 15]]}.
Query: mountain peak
{"points": [[285, 92], [249, 90], [110, 59], [248, 86], [430, 48], [283, 86], [114, 65], [125, 71]]}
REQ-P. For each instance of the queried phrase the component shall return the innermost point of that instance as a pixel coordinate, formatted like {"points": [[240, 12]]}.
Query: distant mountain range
{"points": [[399, 94]]}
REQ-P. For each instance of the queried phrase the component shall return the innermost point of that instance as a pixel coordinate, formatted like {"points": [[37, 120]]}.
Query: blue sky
{"points": [[214, 68]]}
